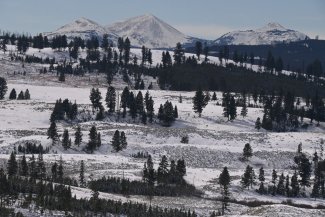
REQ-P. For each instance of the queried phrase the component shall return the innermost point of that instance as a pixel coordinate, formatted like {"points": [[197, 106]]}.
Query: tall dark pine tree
{"points": [[24, 167], [179, 54], [3, 87], [261, 178], [82, 174], [13, 94], [295, 185], [116, 141], [247, 151], [78, 136], [92, 143], [110, 99], [52, 132], [199, 101], [232, 108], [224, 181], [198, 49], [162, 171], [66, 142], [12, 165], [123, 142]]}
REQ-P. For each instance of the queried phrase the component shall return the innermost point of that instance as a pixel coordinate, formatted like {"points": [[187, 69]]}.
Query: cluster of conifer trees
{"points": [[21, 95]]}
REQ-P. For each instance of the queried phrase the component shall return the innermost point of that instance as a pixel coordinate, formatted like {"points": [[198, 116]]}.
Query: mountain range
{"points": [[152, 32]]}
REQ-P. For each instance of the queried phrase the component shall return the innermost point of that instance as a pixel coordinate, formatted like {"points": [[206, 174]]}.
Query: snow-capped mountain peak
{"points": [[148, 30], [268, 34], [271, 27]]}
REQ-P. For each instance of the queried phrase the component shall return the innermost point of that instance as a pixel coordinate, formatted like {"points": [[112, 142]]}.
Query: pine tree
{"points": [[41, 170], [82, 174], [27, 94], [175, 112], [54, 171], [78, 136], [247, 151], [232, 108], [199, 102], [13, 94], [274, 178], [32, 168], [214, 96], [281, 187], [3, 87], [139, 103], [144, 118], [24, 167], [178, 54], [60, 170], [123, 142], [261, 178], [248, 178], [21, 96], [151, 172], [99, 140], [295, 185], [111, 99], [66, 143], [224, 181], [198, 48], [52, 132], [116, 141], [244, 110], [12, 165], [304, 171], [287, 186], [258, 124], [181, 168], [162, 171], [92, 143]]}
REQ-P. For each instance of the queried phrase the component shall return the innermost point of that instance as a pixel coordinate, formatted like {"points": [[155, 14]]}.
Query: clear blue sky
{"points": [[202, 18]]}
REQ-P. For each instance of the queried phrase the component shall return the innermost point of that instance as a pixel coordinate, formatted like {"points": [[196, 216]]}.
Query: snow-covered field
{"points": [[214, 142]]}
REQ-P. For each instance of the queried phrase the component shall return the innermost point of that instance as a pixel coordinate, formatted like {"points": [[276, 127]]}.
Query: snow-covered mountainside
{"points": [[149, 31], [269, 34], [83, 28]]}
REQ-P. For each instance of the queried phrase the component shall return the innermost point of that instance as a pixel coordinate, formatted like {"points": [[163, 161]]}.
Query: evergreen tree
{"points": [[258, 124], [66, 143], [199, 102], [162, 171], [78, 136], [247, 151], [82, 174], [32, 168], [60, 170], [144, 118], [248, 179], [214, 96], [244, 110], [198, 48], [281, 187], [54, 171], [287, 186], [123, 142], [295, 185], [12, 165], [52, 132], [21, 96], [232, 108], [224, 181], [261, 178], [24, 167], [179, 54], [3, 87], [175, 112], [274, 178], [111, 99], [116, 141], [27, 94], [13, 94], [92, 143], [41, 170], [304, 171]]}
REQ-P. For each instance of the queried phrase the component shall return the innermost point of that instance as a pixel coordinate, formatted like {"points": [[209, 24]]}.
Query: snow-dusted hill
{"points": [[269, 34], [83, 28], [149, 31]]}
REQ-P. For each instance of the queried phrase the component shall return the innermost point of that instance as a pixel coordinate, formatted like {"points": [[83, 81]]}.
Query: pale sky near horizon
{"points": [[206, 18]]}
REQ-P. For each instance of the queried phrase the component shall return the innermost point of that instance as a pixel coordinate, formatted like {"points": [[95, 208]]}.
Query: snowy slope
{"points": [[83, 28], [269, 34], [149, 31]]}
